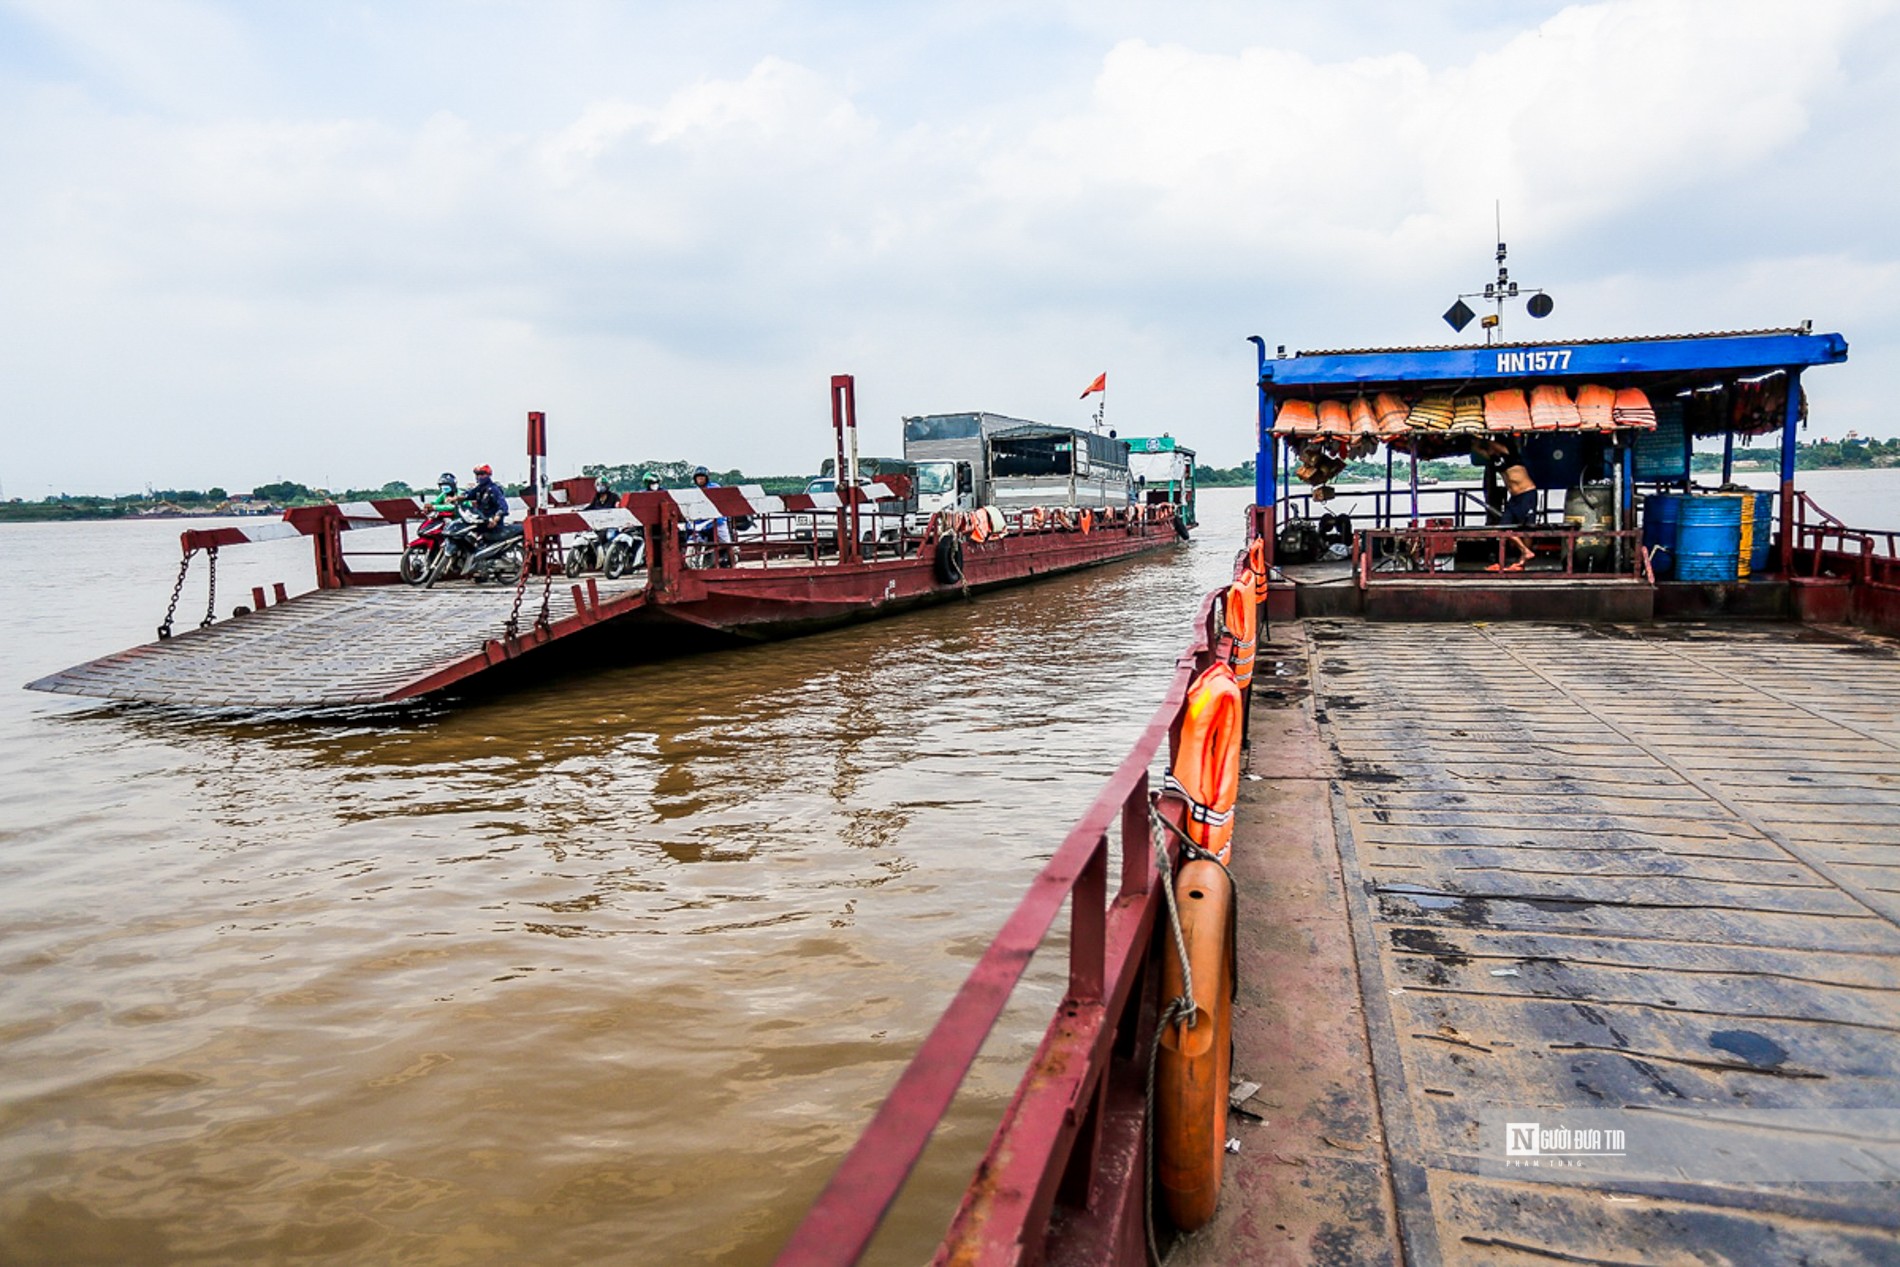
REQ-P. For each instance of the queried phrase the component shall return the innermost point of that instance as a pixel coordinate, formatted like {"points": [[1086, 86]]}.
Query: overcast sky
{"points": [[343, 243]]}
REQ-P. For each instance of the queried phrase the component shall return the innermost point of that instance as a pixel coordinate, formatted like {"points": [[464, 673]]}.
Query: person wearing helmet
{"points": [[604, 495], [490, 503], [446, 494], [721, 527], [651, 482]]}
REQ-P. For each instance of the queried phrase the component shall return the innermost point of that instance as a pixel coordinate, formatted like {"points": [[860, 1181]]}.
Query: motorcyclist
{"points": [[721, 527], [604, 496], [650, 481], [489, 502], [446, 494]]}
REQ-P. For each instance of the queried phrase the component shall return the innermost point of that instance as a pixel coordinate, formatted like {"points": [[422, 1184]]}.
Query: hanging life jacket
{"points": [[1206, 770]]}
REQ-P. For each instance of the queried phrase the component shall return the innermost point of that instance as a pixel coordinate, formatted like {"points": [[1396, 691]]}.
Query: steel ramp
{"points": [[332, 648]]}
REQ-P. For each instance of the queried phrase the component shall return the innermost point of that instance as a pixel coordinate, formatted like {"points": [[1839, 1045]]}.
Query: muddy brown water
{"points": [[609, 969]]}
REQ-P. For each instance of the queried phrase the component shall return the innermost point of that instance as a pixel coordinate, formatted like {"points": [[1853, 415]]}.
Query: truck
{"points": [[1163, 473], [964, 461]]}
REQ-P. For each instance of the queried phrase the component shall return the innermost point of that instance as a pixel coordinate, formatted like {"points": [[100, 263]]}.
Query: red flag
{"points": [[1099, 385]]}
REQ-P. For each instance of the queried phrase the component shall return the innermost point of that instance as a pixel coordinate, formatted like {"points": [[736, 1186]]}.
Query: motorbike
{"points": [[591, 553], [625, 553], [464, 552], [419, 555]]}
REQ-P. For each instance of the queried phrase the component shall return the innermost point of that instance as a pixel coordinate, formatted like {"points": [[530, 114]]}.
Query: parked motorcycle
{"points": [[624, 554], [590, 554], [419, 555], [465, 553]]}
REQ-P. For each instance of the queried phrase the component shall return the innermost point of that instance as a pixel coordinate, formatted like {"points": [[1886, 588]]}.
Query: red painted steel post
{"points": [[278, 593], [1088, 927], [538, 558], [1137, 840], [844, 414]]}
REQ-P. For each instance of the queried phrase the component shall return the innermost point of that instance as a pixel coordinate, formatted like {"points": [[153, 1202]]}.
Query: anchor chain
{"points": [[211, 593], [512, 629], [541, 622], [178, 587]]}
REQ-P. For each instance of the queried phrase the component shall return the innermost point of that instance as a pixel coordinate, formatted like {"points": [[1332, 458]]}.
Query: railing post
{"points": [[1088, 927], [1137, 841]]}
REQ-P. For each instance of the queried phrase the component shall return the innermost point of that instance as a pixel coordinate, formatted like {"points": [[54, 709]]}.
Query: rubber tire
{"points": [[619, 559], [445, 559], [948, 565], [576, 563], [414, 567], [1181, 528], [511, 564]]}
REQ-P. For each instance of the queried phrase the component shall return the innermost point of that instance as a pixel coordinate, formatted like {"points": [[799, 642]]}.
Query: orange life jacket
{"points": [[1206, 771], [1240, 619]]}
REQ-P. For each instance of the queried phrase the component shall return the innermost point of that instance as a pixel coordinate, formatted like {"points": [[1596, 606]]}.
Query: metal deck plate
{"points": [[1648, 870], [327, 648]]}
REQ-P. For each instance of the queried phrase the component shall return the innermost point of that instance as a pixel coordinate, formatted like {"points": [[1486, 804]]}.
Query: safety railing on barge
{"points": [[1073, 1128], [1387, 554], [1823, 543]]}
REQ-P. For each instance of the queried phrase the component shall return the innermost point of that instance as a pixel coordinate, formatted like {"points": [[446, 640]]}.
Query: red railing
{"points": [[1826, 541], [1048, 1151], [1402, 553]]}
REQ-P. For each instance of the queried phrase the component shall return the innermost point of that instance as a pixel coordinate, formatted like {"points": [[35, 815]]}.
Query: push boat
{"points": [[1555, 915], [362, 637]]}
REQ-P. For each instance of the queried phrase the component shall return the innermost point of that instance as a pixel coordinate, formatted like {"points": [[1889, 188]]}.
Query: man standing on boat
{"points": [[1520, 501]]}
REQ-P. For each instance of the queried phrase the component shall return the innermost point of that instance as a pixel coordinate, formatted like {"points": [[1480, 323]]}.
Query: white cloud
{"points": [[693, 260]]}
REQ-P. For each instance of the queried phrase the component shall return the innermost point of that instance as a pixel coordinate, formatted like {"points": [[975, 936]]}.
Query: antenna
{"points": [[1459, 315]]}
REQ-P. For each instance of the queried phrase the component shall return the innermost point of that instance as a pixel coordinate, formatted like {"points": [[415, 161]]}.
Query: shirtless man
{"points": [[1520, 502]]}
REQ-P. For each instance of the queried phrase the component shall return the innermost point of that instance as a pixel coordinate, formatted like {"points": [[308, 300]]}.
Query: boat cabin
{"points": [[1603, 430]]}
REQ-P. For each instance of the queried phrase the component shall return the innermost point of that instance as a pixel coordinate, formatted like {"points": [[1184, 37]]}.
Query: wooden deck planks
{"points": [[1578, 854]]}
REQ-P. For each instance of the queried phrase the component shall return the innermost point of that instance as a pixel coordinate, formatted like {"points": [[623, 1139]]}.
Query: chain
{"points": [[547, 588], [171, 608], [512, 629], [211, 592]]}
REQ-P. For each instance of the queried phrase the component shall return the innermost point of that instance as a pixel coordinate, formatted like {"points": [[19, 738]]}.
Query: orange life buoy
{"points": [[1193, 1063], [1240, 614], [1206, 771]]}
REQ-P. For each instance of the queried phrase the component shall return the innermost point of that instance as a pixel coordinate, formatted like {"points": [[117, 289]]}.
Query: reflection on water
{"points": [[612, 968]]}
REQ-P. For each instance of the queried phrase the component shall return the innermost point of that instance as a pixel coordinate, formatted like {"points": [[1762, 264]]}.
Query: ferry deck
{"points": [[1493, 872]]}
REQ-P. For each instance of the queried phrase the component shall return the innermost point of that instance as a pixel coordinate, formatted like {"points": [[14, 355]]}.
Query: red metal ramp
{"points": [[330, 648]]}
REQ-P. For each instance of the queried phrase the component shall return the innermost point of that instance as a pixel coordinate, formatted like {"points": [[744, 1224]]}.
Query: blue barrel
{"points": [[1764, 532], [1660, 514], [1709, 538]]}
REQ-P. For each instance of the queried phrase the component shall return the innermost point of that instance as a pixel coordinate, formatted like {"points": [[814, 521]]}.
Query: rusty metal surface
{"points": [[325, 648], [1608, 867], [1310, 1182]]}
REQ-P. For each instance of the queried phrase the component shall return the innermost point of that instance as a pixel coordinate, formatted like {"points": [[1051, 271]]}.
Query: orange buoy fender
{"points": [[1206, 770], [1192, 1065], [1241, 623]]}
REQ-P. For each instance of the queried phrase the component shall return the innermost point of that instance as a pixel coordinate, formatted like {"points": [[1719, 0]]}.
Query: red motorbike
{"points": [[419, 556]]}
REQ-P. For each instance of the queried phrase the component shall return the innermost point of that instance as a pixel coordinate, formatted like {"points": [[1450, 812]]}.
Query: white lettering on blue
{"points": [[1554, 361]]}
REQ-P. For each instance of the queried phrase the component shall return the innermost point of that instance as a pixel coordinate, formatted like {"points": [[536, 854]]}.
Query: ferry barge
{"points": [[363, 638], [1568, 905]]}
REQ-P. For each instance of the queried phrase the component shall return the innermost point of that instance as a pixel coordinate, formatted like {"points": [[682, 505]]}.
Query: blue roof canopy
{"points": [[1686, 356]]}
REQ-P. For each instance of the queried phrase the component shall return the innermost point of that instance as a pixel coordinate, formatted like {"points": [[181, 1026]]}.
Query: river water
{"points": [[611, 969]]}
